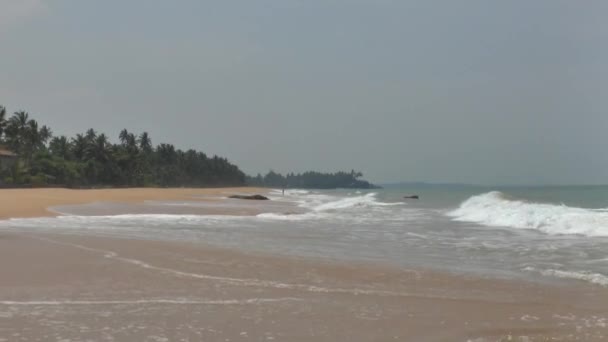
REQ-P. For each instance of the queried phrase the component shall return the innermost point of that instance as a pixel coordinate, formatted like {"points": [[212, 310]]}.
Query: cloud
{"points": [[15, 12]]}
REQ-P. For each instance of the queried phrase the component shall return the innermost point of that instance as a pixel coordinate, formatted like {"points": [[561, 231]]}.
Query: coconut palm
{"points": [[20, 119], [60, 147], [90, 135], [3, 121], [45, 134], [145, 143], [123, 136], [16, 131], [98, 150], [33, 139], [79, 147]]}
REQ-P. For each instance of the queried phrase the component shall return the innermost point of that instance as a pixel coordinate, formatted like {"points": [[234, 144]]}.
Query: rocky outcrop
{"points": [[250, 197]]}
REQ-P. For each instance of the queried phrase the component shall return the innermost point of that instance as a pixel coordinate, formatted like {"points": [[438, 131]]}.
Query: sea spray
{"points": [[497, 210]]}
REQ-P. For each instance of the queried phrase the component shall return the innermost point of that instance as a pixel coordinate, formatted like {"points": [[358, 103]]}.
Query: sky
{"points": [[484, 92]]}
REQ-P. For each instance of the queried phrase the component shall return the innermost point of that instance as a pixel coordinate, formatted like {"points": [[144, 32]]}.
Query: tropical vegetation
{"points": [[90, 159], [312, 180]]}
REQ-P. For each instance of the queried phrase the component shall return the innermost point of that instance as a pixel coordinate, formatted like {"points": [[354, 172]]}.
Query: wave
{"points": [[591, 277], [320, 206], [496, 209], [368, 200]]}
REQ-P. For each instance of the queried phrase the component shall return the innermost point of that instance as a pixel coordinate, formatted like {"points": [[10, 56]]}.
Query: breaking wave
{"points": [[496, 209], [368, 200], [324, 206]]}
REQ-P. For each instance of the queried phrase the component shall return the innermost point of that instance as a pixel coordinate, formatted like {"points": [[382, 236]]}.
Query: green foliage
{"points": [[312, 180], [90, 159]]}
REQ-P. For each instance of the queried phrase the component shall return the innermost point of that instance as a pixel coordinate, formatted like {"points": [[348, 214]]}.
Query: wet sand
{"points": [[60, 287]]}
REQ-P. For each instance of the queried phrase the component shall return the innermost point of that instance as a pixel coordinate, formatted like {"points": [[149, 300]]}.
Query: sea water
{"points": [[540, 233]]}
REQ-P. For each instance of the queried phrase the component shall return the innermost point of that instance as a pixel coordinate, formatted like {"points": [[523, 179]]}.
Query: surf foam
{"points": [[591, 277], [497, 210], [322, 206], [367, 200]]}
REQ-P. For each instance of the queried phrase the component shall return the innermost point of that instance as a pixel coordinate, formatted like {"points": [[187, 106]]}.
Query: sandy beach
{"points": [[63, 287], [35, 202]]}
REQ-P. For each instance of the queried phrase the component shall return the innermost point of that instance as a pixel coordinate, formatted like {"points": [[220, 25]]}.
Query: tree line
{"points": [[91, 159], [312, 180]]}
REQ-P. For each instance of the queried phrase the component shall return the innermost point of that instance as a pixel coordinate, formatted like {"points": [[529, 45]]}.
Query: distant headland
{"points": [[312, 180]]}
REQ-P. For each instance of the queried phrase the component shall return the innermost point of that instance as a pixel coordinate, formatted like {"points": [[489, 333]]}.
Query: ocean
{"points": [[546, 234]]}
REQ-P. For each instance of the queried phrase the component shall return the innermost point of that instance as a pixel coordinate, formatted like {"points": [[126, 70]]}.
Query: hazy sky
{"points": [[456, 91]]}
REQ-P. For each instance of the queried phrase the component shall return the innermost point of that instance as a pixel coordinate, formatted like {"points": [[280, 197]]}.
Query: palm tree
{"points": [[145, 143], [60, 147], [129, 159], [90, 135], [166, 153], [20, 119], [3, 122], [98, 149], [79, 147], [97, 157], [131, 144], [16, 131], [45, 134], [33, 139], [123, 136]]}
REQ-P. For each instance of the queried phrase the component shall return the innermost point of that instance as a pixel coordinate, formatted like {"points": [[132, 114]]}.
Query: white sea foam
{"points": [[291, 217], [495, 209], [591, 277], [321, 206], [179, 301], [142, 218], [118, 222], [368, 200]]}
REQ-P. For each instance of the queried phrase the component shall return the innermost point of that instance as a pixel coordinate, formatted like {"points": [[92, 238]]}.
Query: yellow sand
{"points": [[34, 202]]}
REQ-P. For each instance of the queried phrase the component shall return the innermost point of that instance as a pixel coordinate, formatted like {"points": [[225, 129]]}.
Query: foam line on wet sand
{"points": [[150, 301], [238, 281]]}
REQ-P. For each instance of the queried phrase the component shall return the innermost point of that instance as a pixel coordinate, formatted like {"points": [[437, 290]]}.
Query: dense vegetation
{"points": [[312, 180], [90, 159]]}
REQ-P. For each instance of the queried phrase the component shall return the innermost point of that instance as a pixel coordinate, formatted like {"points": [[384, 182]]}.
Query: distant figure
{"points": [[283, 191], [412, 197]]}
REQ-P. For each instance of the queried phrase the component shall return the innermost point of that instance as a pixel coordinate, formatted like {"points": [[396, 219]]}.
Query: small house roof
{"points": [[6, 153]]}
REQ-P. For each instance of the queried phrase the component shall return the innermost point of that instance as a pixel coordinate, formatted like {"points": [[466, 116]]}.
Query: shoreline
{"points": [[29, 203], [104, 287]]}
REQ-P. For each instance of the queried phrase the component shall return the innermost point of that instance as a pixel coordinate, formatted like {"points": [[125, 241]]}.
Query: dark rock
{"points": [[412, 197], [250, 197]]}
